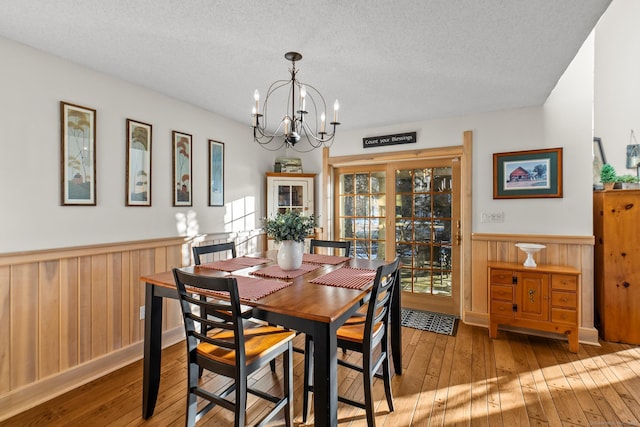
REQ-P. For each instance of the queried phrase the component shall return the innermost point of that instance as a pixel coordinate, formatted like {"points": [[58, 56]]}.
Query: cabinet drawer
{"points": [[502, 277], [564, 282], [502, 292], [561, 315], [564, 299], [502, 308]]}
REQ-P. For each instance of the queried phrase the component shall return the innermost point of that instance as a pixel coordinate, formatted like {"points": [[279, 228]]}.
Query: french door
{"points": [[411, 210]]}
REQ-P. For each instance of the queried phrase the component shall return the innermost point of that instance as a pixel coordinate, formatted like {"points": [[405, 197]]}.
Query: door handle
{"points": [[458, 233]]}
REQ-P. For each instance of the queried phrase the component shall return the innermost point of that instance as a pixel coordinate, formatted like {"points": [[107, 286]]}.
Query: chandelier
{"points": [[300, 121]]}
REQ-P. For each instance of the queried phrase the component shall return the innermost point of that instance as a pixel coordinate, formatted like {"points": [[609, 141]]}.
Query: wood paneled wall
{"points": [[70, 315], [571, 251]]}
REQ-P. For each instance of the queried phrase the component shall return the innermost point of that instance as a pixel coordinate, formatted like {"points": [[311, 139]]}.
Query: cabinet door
{"points": [[295, 194], [532, 296], [291, 195]]}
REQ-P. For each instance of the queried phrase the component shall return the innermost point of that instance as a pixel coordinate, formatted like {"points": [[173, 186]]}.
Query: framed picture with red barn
{"points": [[527, 174]]}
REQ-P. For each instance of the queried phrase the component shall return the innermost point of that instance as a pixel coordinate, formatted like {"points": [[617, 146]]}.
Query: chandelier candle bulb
{"points": [[323, 119], [256, 96], [255, 117], [336, 107], [303, 94]]}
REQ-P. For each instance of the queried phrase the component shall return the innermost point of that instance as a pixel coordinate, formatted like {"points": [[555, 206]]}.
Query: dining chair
{"points": [[363, 333], [214, 248], [210, 249], [334, 244], [232, 348]]}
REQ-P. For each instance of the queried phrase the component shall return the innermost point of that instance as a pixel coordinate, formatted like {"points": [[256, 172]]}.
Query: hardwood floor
{"points": [[470, 380]]}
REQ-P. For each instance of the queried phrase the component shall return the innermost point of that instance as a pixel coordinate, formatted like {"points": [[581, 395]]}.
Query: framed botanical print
{"points": [[77, 155], [527, 174], [138, 182], [216, 173], [181, 169]]}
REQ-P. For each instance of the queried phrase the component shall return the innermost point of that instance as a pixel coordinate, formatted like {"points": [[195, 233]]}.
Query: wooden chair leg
{"points": [[386, 372], [287, 361], [308, 359], [368, 389], [192, 410], [241, 401], [192, 398]]}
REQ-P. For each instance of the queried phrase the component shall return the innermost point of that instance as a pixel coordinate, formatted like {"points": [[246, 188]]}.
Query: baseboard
{"points": [[589, 336], [36, 393], [476, 319]]}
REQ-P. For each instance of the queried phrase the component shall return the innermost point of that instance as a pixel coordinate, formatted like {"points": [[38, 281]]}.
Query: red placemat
{"points": [[277, 273], [251, 261], [233, 264], [252, 288], [345, 277], [324, 259]]}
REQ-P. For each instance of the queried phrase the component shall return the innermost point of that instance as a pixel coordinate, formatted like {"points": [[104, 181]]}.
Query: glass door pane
{"points": [[361, 211], [291, 197], [415, 217], [423, 229]]}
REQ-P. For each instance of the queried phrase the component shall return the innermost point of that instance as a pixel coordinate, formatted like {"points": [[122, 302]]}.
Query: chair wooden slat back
{"points": [[380, 300], [334, 244], [195, 323], [214, 248]]}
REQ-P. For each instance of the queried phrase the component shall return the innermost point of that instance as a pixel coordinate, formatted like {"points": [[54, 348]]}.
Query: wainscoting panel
{"points": [[573, 251], [70, 315]]}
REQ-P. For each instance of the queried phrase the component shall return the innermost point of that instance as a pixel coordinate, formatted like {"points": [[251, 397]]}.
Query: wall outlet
{"points": [[493, 217], [142, 312]]}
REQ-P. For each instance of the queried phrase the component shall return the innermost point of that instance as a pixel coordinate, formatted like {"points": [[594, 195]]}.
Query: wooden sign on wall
{"points": [[379, 141]]}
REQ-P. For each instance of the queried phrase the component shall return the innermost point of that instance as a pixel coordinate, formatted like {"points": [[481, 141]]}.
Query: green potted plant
{"points": [[289, 228], [608, 176], [628, 181]]}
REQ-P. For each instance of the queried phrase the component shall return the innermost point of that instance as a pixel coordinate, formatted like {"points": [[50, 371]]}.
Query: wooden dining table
{"points": [[315, 309]]}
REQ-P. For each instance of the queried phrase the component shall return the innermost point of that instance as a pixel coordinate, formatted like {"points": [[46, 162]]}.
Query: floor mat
{"points": [[427, 321]]}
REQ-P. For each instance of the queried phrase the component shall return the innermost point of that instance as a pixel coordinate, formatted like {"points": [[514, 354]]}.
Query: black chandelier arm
{"points": [[323, 136], [265, 140]]}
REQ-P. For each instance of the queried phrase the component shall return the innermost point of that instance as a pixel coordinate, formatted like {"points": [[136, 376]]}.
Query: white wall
{"points": [[617, 81], [565, 120], [33, 83]]}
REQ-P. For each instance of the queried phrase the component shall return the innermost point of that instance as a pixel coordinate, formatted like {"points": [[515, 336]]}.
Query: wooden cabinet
{"points": [[543, 298], [289, 191], [616, 227]]}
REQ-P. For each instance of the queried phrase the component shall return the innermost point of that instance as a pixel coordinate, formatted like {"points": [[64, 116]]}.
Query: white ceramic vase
{"points": [[290, 254]]}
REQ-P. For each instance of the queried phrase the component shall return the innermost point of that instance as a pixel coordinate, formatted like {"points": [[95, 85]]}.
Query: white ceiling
{"points": [[387, 62]]}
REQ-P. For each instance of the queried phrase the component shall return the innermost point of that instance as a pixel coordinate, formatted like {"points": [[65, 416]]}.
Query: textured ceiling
{"points": [[387, 62]]}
